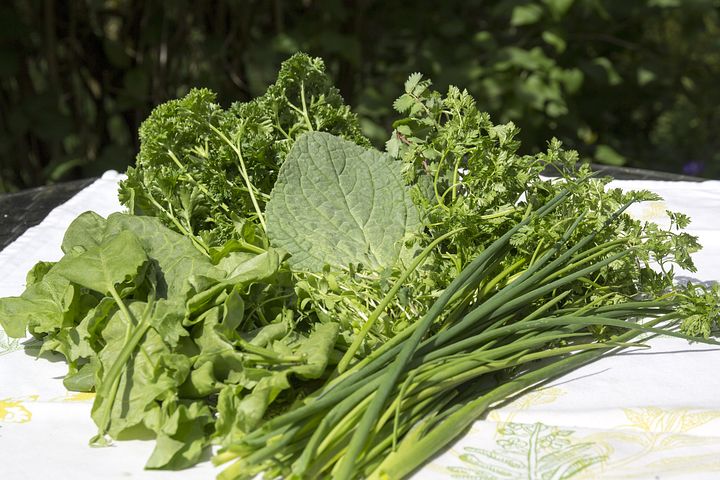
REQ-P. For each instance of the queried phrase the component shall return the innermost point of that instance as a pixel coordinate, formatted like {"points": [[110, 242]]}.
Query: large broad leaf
{"points": [[339, 204]]}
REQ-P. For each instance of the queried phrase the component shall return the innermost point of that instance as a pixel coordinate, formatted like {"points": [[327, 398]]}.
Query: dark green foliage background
{"points": [[632, 83]]}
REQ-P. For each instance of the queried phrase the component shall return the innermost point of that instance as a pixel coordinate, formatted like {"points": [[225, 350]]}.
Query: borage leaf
{"points": [[338, 203]]}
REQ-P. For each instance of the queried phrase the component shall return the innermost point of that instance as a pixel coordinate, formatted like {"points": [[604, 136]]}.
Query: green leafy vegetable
{"points": [[320, 309], [202, 170], [101, 268], [44, 307], [338, 204], [543, 270]]}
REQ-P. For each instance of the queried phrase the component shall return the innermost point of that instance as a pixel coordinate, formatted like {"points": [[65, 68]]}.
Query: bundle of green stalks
{"points": [[388, 414]]}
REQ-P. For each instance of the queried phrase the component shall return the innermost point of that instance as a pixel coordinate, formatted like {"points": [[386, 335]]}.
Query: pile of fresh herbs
{"points": [[319, 308]]}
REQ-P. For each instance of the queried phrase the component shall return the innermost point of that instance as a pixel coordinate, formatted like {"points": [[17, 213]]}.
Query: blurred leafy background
{"points": [[633, 83]]}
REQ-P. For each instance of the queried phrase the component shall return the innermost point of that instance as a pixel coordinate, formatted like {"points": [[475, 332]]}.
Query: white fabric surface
{"points": [[641, 414]]}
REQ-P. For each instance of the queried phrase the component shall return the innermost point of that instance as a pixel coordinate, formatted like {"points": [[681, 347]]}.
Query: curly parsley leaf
{"points": [[204, 170]]}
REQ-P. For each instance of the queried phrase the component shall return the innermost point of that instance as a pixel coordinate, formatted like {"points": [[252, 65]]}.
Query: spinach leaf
{"points": [[305, 357], [84, 232], [101, 267], [177, 260], [183, 437], [338, 203], [14, 312], [135, 391], [44, 307], [81, 379], [37, 272]]}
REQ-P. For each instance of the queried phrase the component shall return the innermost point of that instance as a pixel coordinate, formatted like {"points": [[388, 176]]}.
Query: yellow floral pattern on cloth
{"points": [[14, 410], [661, 440], [79, 397], [19, 409], [653, 440]]}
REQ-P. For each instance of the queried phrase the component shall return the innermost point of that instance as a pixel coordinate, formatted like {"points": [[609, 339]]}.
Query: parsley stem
{"points": [[304, 110], [304, 105], [198, 244], [199, 185], [244, 174]]}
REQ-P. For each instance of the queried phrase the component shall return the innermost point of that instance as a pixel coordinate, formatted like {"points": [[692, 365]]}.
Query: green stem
{"points": [[498, 214], [278, 126], [411, 455], [456, 176], [490, 286], [269, 356], [304, 110], [198, 244], [246, 178], [512, 298], [306, 113], [199, 185], [436, 179], [588, 256]]}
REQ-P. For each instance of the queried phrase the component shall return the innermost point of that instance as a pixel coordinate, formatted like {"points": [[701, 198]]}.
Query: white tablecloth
{"points": [[641, 414]]}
